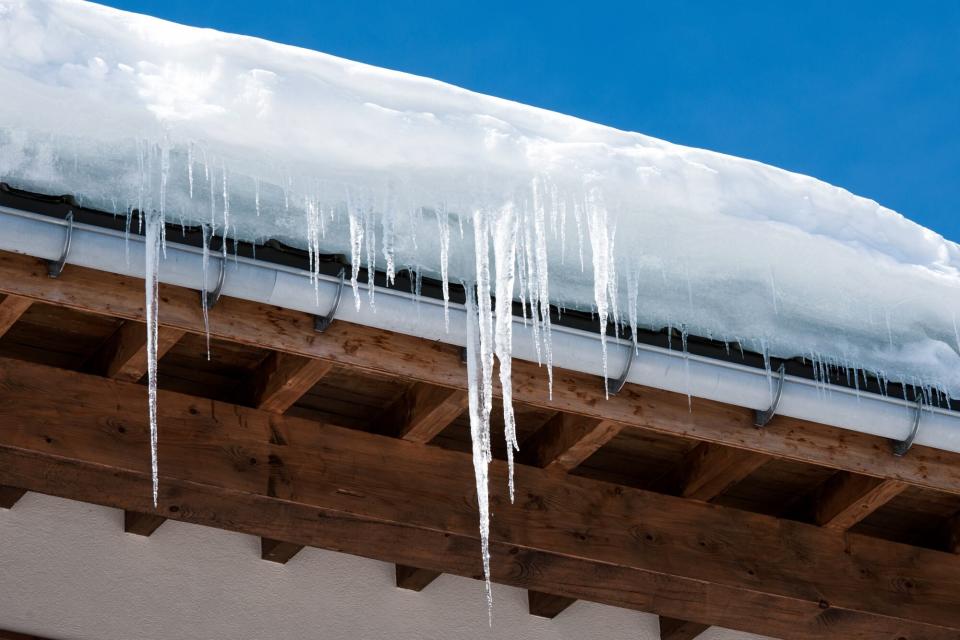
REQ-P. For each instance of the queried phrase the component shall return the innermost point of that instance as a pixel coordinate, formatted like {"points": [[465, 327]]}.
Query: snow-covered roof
{"points": [[272, 141]]}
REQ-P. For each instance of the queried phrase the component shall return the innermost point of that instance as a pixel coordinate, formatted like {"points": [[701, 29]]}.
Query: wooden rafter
{"points": [[370, 349], [141, 524], [11, 308], [419, 415], [124, 355], [709, 470], [9, 496], [566, 441], [848, 498], [405, 503], [283, 379]]}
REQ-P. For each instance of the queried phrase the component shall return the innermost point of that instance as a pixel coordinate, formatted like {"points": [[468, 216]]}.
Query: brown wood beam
{"points": [[547, 605], [370, 349], [124, 355], [566, 441], [283, 379], [560, 445], [674, 629], [9, 496], [13, 635], [423, 412], [11, 308], [404, 503], [953, 534], [847, 498], [141, 524], [705, 473], [413, 578], [708, 470], [277, 550], [419, 415]]}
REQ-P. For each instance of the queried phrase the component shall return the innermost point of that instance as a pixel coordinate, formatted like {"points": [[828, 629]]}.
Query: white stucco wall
{"points": [[69, 572]]}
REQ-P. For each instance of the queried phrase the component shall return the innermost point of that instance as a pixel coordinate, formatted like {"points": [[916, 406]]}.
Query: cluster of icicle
{"points": [[511, 241], [510, 251]]}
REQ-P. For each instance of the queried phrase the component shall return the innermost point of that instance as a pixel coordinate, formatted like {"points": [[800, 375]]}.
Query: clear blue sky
{"points": [[863, 94]]}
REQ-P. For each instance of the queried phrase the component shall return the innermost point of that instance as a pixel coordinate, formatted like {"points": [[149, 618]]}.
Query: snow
{"points": [[260, 140]]}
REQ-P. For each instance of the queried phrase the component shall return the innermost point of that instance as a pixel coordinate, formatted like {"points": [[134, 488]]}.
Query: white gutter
{"points": [[109, 250]]}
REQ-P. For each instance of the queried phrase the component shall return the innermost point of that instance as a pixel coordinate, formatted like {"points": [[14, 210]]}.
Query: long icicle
{"points": [[479, 436]]}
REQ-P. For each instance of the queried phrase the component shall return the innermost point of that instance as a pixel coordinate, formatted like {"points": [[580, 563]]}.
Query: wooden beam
{"points": [[9, 496], [11, 308], [124, 355], [560, 445], [404, 503], [848, 498], [423, 412], [141, 524], [547, 605], [375, 350], [283, 379], [277, 550], [673, 629], [709, 470], [13, 635], [566, 441], [418, 416], [953, 534], [413, 578], [705, 473]]}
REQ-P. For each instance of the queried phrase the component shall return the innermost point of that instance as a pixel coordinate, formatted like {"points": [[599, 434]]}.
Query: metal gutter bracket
{"points": [[619, 383], [322, 323], [212, 297], [763, 418], [55, 267], [901, 447]]}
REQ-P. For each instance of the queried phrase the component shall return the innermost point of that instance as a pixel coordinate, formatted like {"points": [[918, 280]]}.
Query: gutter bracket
{"points": [[55, 267], [322, 323], [619, 383], [210, 298], [901, 447], [763, 418]]}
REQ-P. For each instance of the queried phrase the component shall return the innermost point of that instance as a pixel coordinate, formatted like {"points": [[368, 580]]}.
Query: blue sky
{"points": [[865, 95]]}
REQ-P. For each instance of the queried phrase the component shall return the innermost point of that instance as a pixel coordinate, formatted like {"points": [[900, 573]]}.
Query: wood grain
{"points": [[11, 308], [283, 379], [404, 503], [141, 524], [124, 355], [375, 350], [848, 498]]}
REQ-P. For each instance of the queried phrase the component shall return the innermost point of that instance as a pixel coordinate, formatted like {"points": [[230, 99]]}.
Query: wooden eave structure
{"points": [[355, 440]]}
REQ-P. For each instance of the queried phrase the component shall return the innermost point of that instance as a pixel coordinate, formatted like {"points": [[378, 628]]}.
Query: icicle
{"points": [[256, 195], [190, 168], [504, 252], [356, 245], [602, 263], [480, 437], [154, 223], [206, 233], [443, 226]]}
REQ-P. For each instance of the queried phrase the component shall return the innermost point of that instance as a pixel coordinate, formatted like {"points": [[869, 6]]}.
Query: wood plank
{"points": [[141, 524], [283, 379], [673, 629], [9, 496], [404, 503], [423, 412], [567, 440], [953, 534], [708, 470], [705, 473], [124, 355], [547, 605], [848, 498], [11, 308], [13, 635], [277, 550], [413, 578], [370, 349]]}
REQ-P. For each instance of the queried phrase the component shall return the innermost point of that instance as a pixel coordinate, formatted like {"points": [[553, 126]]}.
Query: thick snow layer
{"points": [[275, 141]]}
